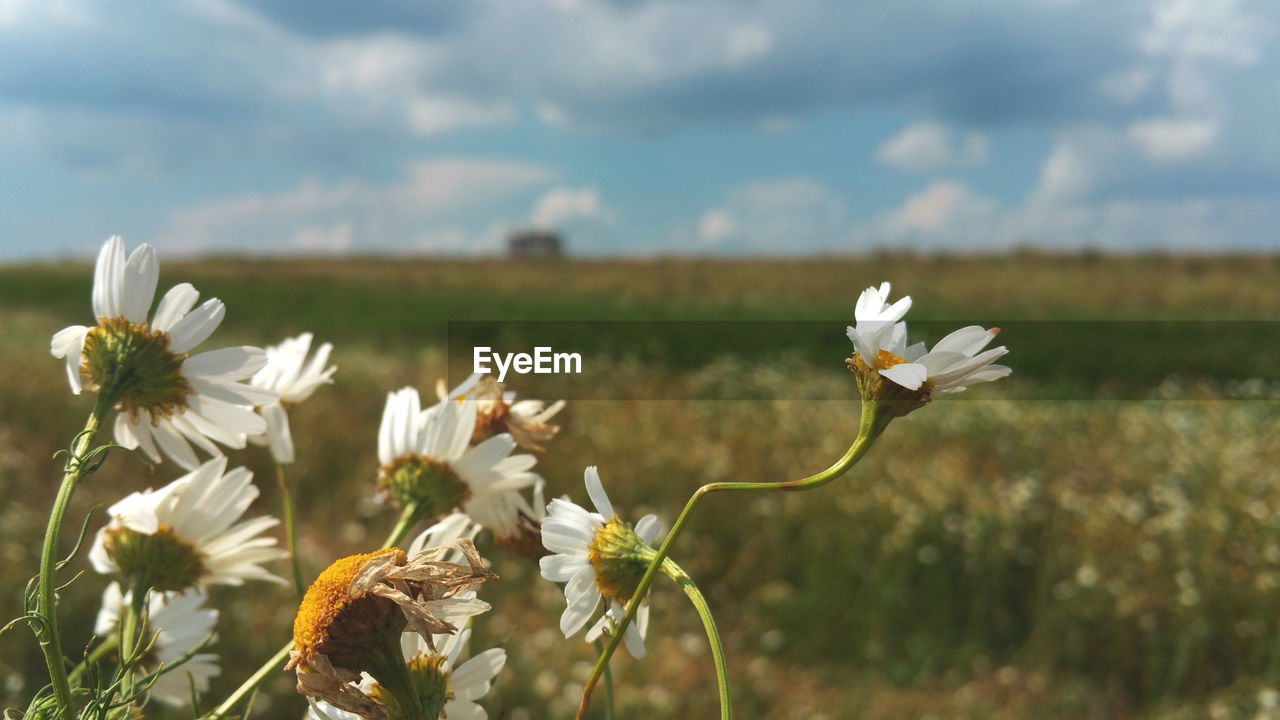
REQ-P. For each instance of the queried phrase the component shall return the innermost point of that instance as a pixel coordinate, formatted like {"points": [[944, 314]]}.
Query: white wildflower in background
{"points": [[498, 411], [914, 372], [598, 556], [427, 461], [290, 377], [167, 399], [185, 533], [180, 623]]}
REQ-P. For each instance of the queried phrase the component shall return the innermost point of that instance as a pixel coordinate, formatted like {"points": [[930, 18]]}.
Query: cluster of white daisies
{"points": [[235, 396], [467, 441]]}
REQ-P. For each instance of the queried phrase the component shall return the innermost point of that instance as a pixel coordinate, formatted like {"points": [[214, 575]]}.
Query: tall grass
{"points": [[994, 557]]}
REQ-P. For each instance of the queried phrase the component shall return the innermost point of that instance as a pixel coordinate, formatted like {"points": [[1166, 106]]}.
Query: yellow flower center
{"points": [[433, 485], [886, 360], [163, 560], [134, 365], [619, 558], [428, 681], [333, 623]]}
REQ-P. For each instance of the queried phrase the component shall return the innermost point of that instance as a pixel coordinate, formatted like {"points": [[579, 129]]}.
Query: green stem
{"points": [[387, 666], [608, 686], [248, 686], [408, 517], [107, 645], [46, 600], [290, 527], [875, 417], [675, 572], [133, 631]]}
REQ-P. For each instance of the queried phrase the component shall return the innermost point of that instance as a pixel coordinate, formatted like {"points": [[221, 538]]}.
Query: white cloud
{"points": [[927, 147], [795, 214], [1223, 30], [335, 239], [559, 206], [437, 193], [747, 43], [1065, 174], [432, 115], [1126, 86], [1173, 139], [933, 208], [716, 225]]}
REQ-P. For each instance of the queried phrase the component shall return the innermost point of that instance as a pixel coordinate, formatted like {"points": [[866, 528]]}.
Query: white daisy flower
{"points": [[180, 623], [185, 534], [427, 459], [956, 362], [463, 684], [598, 556], [913, 373], [497, 411], [289, 376], [167, 398]]}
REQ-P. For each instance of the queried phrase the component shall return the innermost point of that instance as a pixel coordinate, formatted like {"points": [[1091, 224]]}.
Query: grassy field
{"points": [[1097, 537]]}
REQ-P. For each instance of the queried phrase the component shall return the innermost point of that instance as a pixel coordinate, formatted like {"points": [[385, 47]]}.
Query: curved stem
{"points": [[46, 600], [675, 572], [608, 686], [875, 417], [290, 527], [408, 517]]}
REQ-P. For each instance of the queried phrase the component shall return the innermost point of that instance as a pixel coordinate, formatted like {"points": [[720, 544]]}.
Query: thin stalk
{"points": [[675, 572], [386, 665], [248, 686], [132, 632], [46, 601], [290, 527], [875, 417], [608, 686], [408, 517], [107, 645]]}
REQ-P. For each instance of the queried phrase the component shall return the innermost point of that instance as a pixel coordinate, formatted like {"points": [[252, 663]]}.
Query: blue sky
{"points": [[638, 127]]}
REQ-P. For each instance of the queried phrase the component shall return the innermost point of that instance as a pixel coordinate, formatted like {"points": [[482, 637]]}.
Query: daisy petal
{"points": [[196, 326], [577, 613], [233, 363], [139, 287], [595, 489], [173, 306], [908, 375], [108, 275]]}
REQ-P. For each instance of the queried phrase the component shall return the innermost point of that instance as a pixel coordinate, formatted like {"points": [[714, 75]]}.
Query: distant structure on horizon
{"points": [[535, 244]]}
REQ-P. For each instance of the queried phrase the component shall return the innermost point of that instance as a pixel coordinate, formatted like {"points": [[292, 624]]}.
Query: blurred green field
{"points": [[1034, 549]]}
